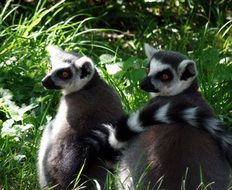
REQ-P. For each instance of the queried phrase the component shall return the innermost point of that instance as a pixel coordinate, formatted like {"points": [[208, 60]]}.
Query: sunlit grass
{"points": [[25, 107]]}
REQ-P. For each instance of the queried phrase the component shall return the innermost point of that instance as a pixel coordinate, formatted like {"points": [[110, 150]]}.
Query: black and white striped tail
{"points": [[149, 116], [153, 115], [217, 131], [98, 140]]}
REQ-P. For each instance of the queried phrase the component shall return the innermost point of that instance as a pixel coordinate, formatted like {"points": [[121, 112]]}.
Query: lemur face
{"points": [[169, 73], [68, 72]]}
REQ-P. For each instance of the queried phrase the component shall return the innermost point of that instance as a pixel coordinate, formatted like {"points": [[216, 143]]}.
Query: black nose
{"points": [[48, 83], [147, 86]]}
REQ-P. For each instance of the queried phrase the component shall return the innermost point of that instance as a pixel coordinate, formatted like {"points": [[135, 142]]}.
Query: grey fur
{"points": [[167, 150], [76, 135]]}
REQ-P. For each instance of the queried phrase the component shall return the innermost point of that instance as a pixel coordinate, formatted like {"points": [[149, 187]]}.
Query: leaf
{"points": [[106, 59], [8, 123], [24, 128], [113, 68], [7, 129]]}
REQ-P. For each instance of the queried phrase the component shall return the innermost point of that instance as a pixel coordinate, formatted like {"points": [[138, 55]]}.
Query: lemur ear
{"points": [[56, 55], [187, 69], [86, 66], [54, 51], [149, 50]]}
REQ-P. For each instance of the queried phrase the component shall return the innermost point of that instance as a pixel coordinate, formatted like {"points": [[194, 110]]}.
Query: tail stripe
{"points": [[162, 114], [134, 123], [189, 115], [154, 114]]}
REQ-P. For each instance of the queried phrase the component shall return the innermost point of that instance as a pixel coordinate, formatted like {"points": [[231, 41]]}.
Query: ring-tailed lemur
{"points": [[70, 74], [76, 137], [170, 149]]}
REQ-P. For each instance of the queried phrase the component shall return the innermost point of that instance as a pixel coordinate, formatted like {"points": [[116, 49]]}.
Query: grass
{"points": [[26, 29]]}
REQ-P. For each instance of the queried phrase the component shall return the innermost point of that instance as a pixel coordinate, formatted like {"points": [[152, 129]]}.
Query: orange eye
{"points": [[164, 76], [65, 74]]}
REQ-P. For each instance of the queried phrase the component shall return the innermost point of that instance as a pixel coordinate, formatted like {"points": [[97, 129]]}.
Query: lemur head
{"points": [[169, 73], [69, 72]]}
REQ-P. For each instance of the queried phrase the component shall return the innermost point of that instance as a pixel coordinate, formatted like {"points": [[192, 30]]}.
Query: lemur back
{"points": [[75, 138], [176, 155]]}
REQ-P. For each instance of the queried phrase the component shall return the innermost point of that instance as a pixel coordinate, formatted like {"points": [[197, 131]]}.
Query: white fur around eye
{"points": [[176, 86], [61, 59], [156, 66]]}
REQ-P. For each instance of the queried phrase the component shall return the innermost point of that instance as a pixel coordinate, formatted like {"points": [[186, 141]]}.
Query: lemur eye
{"points": [[64, 74], [165, 75]]}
